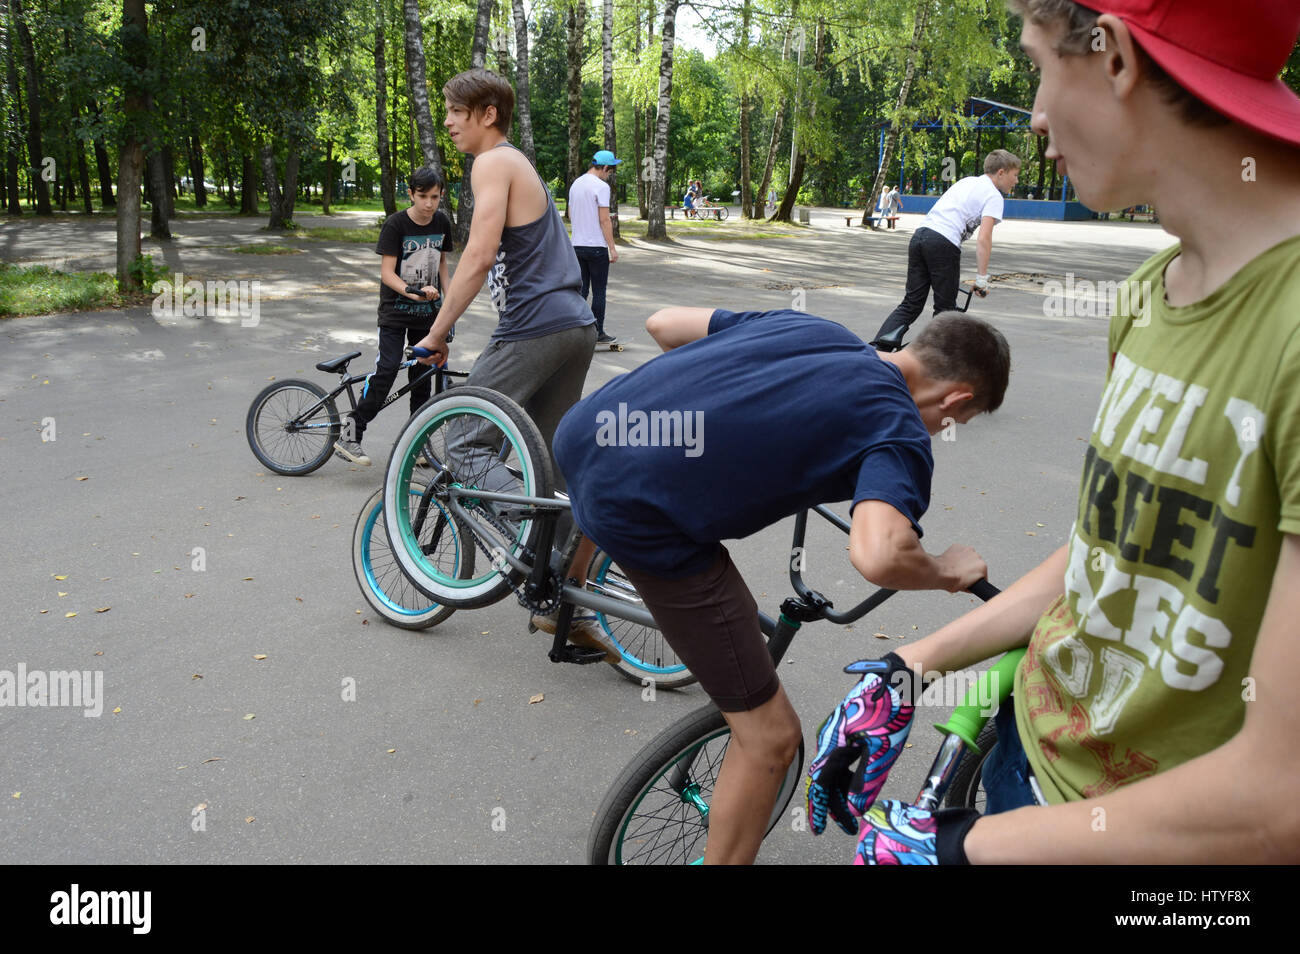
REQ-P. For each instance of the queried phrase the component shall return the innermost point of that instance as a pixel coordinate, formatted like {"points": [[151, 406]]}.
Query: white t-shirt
{"points": [[587, 196], [960, 210]]}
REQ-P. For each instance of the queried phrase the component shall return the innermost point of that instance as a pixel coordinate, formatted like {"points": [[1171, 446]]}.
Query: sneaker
{"points": [[351, 451], [584, 632], [603, 338]]}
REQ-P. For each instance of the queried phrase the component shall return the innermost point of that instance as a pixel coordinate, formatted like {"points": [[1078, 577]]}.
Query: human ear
{"points": [[1115, 43]]}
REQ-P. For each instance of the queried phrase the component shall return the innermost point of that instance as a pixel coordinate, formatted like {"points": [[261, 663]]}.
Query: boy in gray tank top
{"points": [[546, 334]]}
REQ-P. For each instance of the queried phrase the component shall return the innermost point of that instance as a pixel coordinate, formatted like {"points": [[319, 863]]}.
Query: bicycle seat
{"points": [[339, 363]]}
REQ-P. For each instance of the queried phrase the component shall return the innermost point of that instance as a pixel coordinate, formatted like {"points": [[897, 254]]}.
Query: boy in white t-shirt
{"points": [[593, 233], [934, 254]]}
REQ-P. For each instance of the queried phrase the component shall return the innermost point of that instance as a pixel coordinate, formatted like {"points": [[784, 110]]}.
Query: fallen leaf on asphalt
{"points": [[43, 612], [1030, 533], [16, 794], [62, 577], [61, 593], [477, 701], [103, 609], [69, 615], [486, 632], [197, 675], [247, 578], [537, 698], [250, 819], [1039, 525], [880, 636], [117, 710], [83, 478], [99, 652], [391, 751], [260, 656], [188, 595], [249, 716], [201, 806], [298, 598], [365, 622], [215, 758]]}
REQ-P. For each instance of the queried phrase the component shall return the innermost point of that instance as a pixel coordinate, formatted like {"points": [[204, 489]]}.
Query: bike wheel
{"points": [[281, 438], [967, 788], [646, 654], [656, 812], [384, 585], [474, 439], [722, 213]]}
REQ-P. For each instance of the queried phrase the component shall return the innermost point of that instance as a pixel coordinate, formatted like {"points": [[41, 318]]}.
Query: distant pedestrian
{"points": [[593, 233]]}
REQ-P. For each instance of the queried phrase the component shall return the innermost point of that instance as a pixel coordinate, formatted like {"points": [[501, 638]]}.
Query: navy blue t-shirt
{"points": [[769, 414]]}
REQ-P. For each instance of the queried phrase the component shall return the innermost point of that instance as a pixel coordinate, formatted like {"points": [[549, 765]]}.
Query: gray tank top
{"points": [[535, 281]]}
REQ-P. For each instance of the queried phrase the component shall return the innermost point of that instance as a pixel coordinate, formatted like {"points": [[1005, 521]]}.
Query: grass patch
{"points": [[40, 290], [265, 249], [363, 235]]}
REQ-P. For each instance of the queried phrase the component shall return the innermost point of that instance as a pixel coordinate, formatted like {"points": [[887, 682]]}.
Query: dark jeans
{"points": [[392, 342], [932, 262], [594, 262], [1006, 770]]}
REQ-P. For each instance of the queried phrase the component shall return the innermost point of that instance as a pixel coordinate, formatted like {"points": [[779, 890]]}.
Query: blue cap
{"points": [[604, 158]]}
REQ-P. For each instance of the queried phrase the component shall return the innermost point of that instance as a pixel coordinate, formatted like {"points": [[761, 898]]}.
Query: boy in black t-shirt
{"points": [[413, 244]]}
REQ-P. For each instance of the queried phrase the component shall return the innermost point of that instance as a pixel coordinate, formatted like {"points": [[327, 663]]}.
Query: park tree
{"points": [[381, 114], [607, 97], [659, 166], [134, 48], [523, 102]]}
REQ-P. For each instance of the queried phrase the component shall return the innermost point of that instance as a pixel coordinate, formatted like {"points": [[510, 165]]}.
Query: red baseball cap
{"points": [[1228, 55]]}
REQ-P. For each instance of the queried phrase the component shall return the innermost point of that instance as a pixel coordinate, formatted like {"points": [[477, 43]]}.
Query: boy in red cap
{"points": [[1153, 717]]}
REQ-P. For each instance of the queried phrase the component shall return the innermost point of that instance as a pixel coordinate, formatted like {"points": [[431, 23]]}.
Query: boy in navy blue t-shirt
{"points": [[748, 418], [414, 244]]}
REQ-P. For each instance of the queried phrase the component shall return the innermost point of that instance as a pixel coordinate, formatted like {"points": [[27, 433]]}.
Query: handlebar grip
{"points": [[417, 352], [984, 590], [412, 290]]}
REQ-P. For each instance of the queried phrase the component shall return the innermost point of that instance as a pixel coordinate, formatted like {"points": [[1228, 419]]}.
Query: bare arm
{"points": [[1239, 803], [1003, 623], [607, 229], [673, 327], [884, 548], [388, 275], [984, 245], [491, 182]]}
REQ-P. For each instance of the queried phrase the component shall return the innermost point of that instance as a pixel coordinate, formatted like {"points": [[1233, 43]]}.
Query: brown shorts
{"points": [[711, 622]]}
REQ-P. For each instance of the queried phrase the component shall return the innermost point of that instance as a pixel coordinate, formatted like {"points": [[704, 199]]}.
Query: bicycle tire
{"points": [[496, 447], [646, 654], [384, 585], [722, 213], [618, 833], [967, 787], [292, 453]]}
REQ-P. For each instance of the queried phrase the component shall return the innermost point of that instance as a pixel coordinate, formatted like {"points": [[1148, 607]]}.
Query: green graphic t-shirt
{"points": [[1192, 477]]}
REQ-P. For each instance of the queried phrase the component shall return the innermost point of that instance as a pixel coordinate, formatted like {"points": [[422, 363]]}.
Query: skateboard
{"points": [[609, 345]]}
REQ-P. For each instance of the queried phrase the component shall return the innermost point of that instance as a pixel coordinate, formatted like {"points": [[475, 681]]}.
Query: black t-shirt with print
{"points": [[417, 248]]}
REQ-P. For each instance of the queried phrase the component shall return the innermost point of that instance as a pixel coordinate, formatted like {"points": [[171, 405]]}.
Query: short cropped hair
{"points": [[478, 89], [956, 347], [425, 178], [1078, 21], [1000, 159]]}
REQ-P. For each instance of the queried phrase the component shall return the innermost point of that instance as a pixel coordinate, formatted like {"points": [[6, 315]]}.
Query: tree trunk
{"points": [[169, 170], [778, 123], [381, 114], [1041, 145], [83, 172], [638, 147], [477, 57], [13, 144], [271, 179], [248, 186], [103, 165], [416, 85], [135, 53], [891, 140], [801, 156], [159, 192], [522, 101], [656, 229], [197, 172], [34, 148], [746, 187], [607, 99], [575, 22], [329, 178]]}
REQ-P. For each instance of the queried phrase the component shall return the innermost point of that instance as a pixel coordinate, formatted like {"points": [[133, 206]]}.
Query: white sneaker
{"points": [[351, 451], [583, 631]]}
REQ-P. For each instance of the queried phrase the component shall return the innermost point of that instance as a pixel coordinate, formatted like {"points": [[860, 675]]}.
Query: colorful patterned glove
{"points": [[871, 724], [895, 833]]}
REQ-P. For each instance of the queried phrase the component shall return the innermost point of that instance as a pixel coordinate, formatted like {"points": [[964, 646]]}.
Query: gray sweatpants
{"points": [[543, 375]]}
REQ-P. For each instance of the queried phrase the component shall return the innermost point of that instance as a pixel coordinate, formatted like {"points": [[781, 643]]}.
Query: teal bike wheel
{"points": [[383, 584], [647, 657]]}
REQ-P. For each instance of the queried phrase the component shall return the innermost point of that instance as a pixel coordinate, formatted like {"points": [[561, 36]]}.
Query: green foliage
{"points": [[39, 290], [145, 272]]}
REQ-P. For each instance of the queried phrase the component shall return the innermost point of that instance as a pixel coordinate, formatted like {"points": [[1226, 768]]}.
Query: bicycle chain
{"points": [[538, 607]]}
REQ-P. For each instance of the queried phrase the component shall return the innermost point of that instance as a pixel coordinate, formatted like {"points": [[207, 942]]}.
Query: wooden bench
{"points": [[873, 219]]}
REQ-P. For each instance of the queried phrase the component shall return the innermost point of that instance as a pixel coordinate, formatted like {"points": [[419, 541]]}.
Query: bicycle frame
{"points": [[303, 421]]}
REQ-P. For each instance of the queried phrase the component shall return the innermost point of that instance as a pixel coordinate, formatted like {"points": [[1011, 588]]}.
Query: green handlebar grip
{"points": [[969, 717]]}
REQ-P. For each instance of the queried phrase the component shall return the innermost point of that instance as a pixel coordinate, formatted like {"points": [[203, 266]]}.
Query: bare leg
{"points": [[581, 560], [763, 743]]}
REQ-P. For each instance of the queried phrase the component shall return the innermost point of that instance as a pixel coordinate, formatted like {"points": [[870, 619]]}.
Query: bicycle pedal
{"points": [[578, 655]]}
